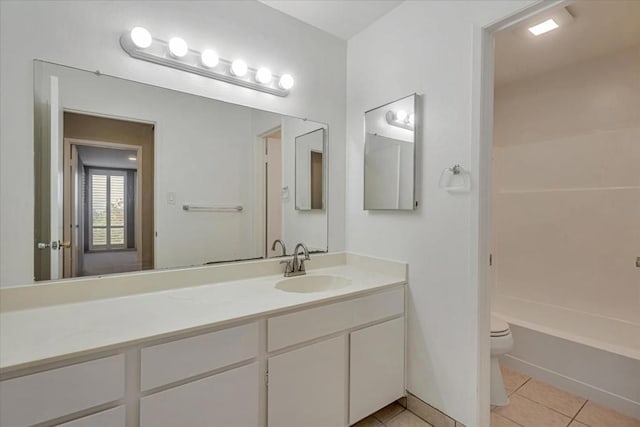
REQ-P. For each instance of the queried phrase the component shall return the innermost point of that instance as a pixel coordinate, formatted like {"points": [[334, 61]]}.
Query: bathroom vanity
{"points": [[229, 345]]}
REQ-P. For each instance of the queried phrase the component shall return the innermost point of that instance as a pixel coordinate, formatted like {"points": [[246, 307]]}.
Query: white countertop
{"points": [[31, 337]]}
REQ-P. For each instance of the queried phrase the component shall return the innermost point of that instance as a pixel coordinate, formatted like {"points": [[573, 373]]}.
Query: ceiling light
{"points": [[286, 81], [543, 27], [141, 37], [239, 68], [209, 58], [133, 158], [263, 75], [178, 47]]}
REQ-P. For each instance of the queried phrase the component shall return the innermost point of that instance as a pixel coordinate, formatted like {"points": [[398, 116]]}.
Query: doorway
{"points": [[558, 144], [107, 196]]}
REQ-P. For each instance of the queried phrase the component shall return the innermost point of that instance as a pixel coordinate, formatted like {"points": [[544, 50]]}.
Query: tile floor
{"points": [[394, 415], [536, 404], [533, 404]]}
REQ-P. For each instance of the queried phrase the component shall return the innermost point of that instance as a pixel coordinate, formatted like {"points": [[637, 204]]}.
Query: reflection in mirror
{"points": [[389, 160], [135, 177], [310, 170]]}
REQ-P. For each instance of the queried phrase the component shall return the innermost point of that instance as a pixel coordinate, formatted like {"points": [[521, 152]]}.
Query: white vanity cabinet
{"points": [[376, 374], [362, 357], [329, 364], [307, 386], [56, 393], [226, 399]]}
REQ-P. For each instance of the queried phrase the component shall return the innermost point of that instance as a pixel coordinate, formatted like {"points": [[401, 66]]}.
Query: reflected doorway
{"points": [[107, 203]]}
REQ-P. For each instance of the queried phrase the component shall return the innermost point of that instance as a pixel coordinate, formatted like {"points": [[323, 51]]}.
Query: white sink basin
{"points": [[305, 284]]}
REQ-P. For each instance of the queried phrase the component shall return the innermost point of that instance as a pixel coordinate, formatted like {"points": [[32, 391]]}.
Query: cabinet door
{"points": [[226, 399], [376, 368], [307, 387]]}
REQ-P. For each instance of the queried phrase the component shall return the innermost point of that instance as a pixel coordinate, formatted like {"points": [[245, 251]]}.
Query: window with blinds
{"points": [[107, 209]]}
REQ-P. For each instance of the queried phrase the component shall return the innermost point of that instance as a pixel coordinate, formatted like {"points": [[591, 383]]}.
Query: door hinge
{"points": [[266, 378], [490, 260]]}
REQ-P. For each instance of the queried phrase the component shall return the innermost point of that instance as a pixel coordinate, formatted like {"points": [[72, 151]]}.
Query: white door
{"points": [[55, 123], [307, 387]]}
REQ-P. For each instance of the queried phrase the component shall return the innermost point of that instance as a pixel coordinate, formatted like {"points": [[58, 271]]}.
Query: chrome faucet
{"points": [[284, 248], [295, 266]]}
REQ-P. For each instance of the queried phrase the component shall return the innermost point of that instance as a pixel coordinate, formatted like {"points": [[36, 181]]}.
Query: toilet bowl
{"points": [[501, 343]]}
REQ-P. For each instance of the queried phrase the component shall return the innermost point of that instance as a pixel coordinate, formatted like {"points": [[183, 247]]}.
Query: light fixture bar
{"points": [[158, 53], [401, 122]]}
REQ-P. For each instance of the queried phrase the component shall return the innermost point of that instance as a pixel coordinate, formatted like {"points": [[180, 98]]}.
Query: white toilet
{"points": [[501, 343]]}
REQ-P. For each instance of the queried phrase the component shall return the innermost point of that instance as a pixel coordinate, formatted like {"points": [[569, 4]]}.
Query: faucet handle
{"points": [[288, 268]]}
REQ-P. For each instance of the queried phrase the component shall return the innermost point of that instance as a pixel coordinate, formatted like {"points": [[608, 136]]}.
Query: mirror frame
{"points": [[416, 129]]}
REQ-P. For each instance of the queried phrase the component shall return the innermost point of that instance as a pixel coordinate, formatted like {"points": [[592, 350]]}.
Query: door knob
{"points": [[65, 245]]}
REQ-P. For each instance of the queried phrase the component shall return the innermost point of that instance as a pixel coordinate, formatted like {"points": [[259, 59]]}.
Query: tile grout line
{"points": [[551, 409], [576, 415]]}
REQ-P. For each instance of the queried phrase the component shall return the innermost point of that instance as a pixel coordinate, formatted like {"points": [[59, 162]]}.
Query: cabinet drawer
{"points": [[176, 360], [226, 399], [50, 394], [313, 323], [110, 418]]}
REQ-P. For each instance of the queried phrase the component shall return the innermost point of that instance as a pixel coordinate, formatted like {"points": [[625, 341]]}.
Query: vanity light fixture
{"points": [[239, 68], [175, 53], [263, 75], [543, 27], [141, 37], [400, 119], [286, 81], [178, 47], [209, 58]]}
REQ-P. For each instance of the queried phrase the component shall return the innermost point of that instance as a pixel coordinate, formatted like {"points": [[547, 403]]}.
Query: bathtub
{"points": [[595, 357]]}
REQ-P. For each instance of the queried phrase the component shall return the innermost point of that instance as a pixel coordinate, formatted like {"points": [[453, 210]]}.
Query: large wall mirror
{"points": [[389, 159], [135, 177]]}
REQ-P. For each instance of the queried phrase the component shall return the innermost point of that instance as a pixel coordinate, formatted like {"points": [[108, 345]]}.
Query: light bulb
{"points": [[141, 37], [239, 68], [178, 47], [401, 116], [209, 58], [286, 81], [412, 119], [263, 75]]}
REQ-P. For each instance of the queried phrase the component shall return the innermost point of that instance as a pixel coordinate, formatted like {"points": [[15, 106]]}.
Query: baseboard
{"points": [[587, 391]]}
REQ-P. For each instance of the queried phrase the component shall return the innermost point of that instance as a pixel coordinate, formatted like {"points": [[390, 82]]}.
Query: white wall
{"points": [[426, 47], [567, 187], [85, 35]]}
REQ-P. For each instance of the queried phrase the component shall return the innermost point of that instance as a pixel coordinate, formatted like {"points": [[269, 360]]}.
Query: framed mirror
{"points": [[310, 170], [389, 158], [134, 177]]}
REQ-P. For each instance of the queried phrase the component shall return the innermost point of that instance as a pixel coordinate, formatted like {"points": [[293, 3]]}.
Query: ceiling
{"points": [[343, 19], [106, 157], [597, 28]]}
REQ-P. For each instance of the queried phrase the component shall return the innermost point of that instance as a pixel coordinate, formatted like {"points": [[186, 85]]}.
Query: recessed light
{"points": [[543, 27]]}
